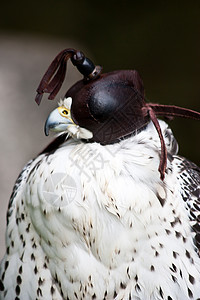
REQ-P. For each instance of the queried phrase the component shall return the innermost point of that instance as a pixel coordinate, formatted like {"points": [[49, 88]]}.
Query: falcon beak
{"points": [[58, 120]]}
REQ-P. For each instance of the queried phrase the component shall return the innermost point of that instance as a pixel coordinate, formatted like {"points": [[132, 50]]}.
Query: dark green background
{"points": [[161, 39]]}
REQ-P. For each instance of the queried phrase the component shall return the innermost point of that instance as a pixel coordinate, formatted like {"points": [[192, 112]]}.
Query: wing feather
{"points": [[189, 178]]}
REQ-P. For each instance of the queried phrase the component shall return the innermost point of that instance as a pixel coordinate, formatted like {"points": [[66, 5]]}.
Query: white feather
{"points": [[110, 238]]}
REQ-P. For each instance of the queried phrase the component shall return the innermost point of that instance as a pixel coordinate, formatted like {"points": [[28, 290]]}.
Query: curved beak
{"points": [[56, 122]]}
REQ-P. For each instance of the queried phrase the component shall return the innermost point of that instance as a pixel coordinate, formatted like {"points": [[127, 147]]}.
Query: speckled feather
{"points": [[122, 234]]}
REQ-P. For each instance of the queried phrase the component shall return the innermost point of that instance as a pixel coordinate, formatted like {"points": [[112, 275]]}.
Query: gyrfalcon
{"points": [[108, 210]]}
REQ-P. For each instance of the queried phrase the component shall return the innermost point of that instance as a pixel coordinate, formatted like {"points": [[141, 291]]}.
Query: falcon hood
{"points": [[109, 106]]}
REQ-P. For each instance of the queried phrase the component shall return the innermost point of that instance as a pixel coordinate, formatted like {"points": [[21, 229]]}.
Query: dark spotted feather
{"points": [[189, 178]]}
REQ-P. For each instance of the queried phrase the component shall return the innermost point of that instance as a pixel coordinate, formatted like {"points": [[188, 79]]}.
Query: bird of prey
{"points": [[108, 210]]}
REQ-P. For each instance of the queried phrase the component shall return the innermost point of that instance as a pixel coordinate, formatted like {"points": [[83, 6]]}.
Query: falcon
{"points": [[108, 210]]}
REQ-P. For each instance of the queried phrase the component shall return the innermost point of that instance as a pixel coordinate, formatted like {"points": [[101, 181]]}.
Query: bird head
{"points": [[103, 108]]}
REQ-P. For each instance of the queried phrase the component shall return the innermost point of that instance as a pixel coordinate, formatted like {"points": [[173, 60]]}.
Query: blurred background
{"points": [[160, 39]]}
